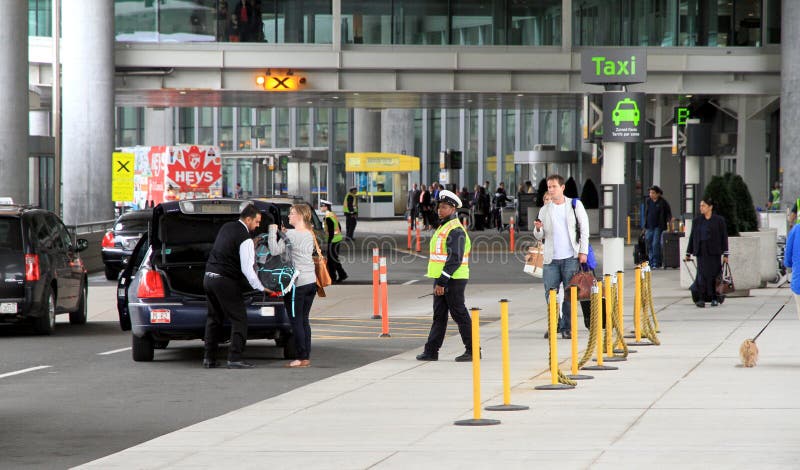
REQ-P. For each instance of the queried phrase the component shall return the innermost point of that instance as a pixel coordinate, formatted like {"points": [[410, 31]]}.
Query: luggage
{"points": [[275, 271], [670, 249], [640, 250]]}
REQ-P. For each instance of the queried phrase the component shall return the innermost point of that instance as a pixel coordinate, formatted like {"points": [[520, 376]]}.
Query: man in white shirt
{"points": [[565, 247]]}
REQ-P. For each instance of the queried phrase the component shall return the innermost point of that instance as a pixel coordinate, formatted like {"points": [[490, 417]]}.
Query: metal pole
{"points": [[56, 107]]}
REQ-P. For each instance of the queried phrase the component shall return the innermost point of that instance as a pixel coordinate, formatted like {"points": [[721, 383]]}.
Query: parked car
{"points": [[118, 242], [160, 292], [42, 272]]}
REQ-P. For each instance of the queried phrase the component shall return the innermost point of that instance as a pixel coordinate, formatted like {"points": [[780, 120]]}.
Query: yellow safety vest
{"points": [[337, 231], [438, 251], [355, 204]]}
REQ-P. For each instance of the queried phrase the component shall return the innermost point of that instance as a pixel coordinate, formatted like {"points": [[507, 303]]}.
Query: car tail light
{"points": [[108, 240], [31, 267], [151, 286]]}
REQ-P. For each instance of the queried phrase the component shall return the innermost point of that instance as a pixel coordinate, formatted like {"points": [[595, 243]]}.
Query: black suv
{"points": [[41, 273], [160, 294], [118, 243]]}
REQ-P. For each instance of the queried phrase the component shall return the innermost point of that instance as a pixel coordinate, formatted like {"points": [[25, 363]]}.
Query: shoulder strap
{"points": [[577, 222]]}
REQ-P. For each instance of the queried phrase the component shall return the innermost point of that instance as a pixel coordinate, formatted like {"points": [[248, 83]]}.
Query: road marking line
{"points": [[23, 371], [114, 351], [408, 283]]}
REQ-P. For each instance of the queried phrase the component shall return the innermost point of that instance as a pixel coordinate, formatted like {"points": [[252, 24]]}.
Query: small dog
{"points": [[748, 352]]}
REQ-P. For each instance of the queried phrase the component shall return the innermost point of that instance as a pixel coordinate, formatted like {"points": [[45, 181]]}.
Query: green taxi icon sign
{"points": [[626, 111]]}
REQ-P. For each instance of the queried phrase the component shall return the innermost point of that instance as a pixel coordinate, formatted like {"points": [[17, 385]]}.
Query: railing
{"points": [[90, 227]]}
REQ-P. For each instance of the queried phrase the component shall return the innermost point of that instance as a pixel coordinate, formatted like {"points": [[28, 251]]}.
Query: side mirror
{"points": [[81, 244]]}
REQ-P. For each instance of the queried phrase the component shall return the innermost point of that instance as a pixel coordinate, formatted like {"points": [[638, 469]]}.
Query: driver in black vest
{"points": [[229, 264]]}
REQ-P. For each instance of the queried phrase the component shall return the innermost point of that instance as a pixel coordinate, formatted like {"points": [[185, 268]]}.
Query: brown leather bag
{"points": [[584, 280], [724, 282], [321, 269]]}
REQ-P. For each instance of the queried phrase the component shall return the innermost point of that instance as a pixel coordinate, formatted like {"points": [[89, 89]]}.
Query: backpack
{"points": [[590, 259], [275, 271]]}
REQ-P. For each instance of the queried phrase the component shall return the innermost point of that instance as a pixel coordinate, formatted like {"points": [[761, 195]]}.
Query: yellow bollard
{"points": [[552, 327], [609, 306], [506, 406], [637, 304], [476, 376], [629, 231], [573, 299], [597, 332]]}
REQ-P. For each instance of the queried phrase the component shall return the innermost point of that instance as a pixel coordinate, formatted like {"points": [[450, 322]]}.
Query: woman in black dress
{"points": [[708, 241]]}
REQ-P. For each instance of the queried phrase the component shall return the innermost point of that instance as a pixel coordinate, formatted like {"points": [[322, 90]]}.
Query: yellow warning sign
{"points": [[122, 177]]}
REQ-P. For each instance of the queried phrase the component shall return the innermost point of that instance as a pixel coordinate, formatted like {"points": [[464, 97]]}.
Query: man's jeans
{"points": [[653, 238], [557, 272]]}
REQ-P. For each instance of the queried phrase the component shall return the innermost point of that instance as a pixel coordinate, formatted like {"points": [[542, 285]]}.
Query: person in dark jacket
{"points": [[412, 205], [657, 214], [350, 208], [708, 241], [333, 231], [230, 262]]}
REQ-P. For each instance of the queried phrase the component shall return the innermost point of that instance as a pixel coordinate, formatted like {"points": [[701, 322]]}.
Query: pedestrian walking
{"points": [[334, 238], [657, 214], [707, 242], [230, 262], [565, 247], [350, 208], [298, 301], [412, 205], [448, 265]]}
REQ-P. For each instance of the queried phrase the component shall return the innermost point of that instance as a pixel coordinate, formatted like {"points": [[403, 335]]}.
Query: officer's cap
{"points": [[353, 188], [323, 202], [449, 197]]}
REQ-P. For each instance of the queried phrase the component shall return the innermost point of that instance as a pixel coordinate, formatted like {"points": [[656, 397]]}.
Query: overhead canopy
{"points": [[380, 161]]}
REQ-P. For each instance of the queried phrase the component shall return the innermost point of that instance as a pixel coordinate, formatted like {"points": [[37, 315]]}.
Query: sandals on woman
{"points": [[299, 363]]}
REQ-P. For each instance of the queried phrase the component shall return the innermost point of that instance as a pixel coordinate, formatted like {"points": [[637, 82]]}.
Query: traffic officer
{"points": [[334, 236], [449, 266], [230, 262], [351, 212]]}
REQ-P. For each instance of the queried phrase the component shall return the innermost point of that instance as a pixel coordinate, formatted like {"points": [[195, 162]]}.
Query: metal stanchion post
{"points": [[511, 241], [506, 406], [618, 348], [419, 246], [552, 323], [609, 304], [476, 376], [384, 289]]}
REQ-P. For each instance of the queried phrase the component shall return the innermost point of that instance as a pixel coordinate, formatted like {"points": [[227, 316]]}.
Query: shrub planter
{"points": [[767, 253], [744, 253]]}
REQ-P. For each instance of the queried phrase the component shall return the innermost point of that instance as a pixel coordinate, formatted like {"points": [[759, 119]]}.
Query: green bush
{"points": [[719, 192], [747, 220], [589, 196]]}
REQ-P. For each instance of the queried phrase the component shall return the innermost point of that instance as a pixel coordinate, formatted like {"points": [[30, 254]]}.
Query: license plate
{"points": [[8, 307], [267, 311], [159, 316]]}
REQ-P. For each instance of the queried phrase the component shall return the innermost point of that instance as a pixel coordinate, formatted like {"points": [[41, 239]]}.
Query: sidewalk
{"points": [[684, 404]]}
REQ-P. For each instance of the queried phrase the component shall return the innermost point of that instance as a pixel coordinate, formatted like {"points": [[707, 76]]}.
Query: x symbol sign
{"points": [[123, 166], [281, 82]]}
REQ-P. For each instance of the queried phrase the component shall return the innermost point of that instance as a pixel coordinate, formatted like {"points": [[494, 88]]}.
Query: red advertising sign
{"points": [[193, 169]]}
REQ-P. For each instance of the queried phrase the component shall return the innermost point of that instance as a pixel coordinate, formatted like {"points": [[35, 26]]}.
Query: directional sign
{"points": [[623, 117], [122, 177]]}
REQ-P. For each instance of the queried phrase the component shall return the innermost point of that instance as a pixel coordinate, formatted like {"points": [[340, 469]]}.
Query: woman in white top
{"points": [[298, 301]]}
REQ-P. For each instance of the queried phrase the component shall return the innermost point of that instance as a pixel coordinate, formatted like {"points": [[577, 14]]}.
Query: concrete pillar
{"points": [[88, 109], [366, 130], [159, 126], [751, 159], [14, 97], [397, 131], [790, 99], [39, 122]]}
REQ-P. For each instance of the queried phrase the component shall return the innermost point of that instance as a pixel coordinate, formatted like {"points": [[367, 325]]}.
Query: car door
{"points": [[60, 262], [125, 278], [77, 271]]}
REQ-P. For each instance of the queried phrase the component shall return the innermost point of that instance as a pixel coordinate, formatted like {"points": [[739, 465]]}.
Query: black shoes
{"points": [[714, 303], [565, 334], [240, 365], [427, 357], [209, 364], [466, 357], [700, 304], [340, 280]]}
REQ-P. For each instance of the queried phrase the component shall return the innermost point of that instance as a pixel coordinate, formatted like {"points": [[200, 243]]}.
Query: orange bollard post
{"points": [[384, 299], [419, 247], [409, 233], [384, 287], [511, 236], [375, 285]]}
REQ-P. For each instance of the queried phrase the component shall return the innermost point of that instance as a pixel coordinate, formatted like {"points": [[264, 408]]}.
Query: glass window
{"points": [[420, 22], [567, 129], [529, 128], [290, 21], [490, 139], [129, 126], [302, 127], [225, 129], [263, 127], [478, 22], [435, 141], [245, 128], [10, 233], [546, 127], [510, 126], [206, 127], [774, 22], [470, 154], [136, 21], [535, 23], [366, 22], [186, 125], [40, 13], [283, 126], [186, 20], [321, 128]]}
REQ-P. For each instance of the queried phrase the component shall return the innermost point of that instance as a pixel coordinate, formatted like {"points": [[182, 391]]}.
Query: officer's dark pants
{"points": [[335, 269], [452, 301], [350, 223], [225, 300]]}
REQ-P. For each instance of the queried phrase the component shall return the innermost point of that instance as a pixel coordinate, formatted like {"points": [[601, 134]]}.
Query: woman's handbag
{"points": [[534, 261], [583, 279], [321, 269], [724, 282]]}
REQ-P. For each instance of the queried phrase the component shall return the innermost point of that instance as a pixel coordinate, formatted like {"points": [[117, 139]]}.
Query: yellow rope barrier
{"points": [[617, 326], [591, 344], [648, 313]]}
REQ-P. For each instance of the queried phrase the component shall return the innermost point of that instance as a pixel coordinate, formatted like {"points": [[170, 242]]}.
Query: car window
{"points": [[57, 233], [10, 234], [63, 233], [41, 232], [132, 224]]}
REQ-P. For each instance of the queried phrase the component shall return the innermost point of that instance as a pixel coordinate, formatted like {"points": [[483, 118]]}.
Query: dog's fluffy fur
{"points": [[748, 352]]}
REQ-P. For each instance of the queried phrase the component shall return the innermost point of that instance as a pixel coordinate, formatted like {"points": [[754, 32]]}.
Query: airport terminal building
{"points": [[284, 89]]}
